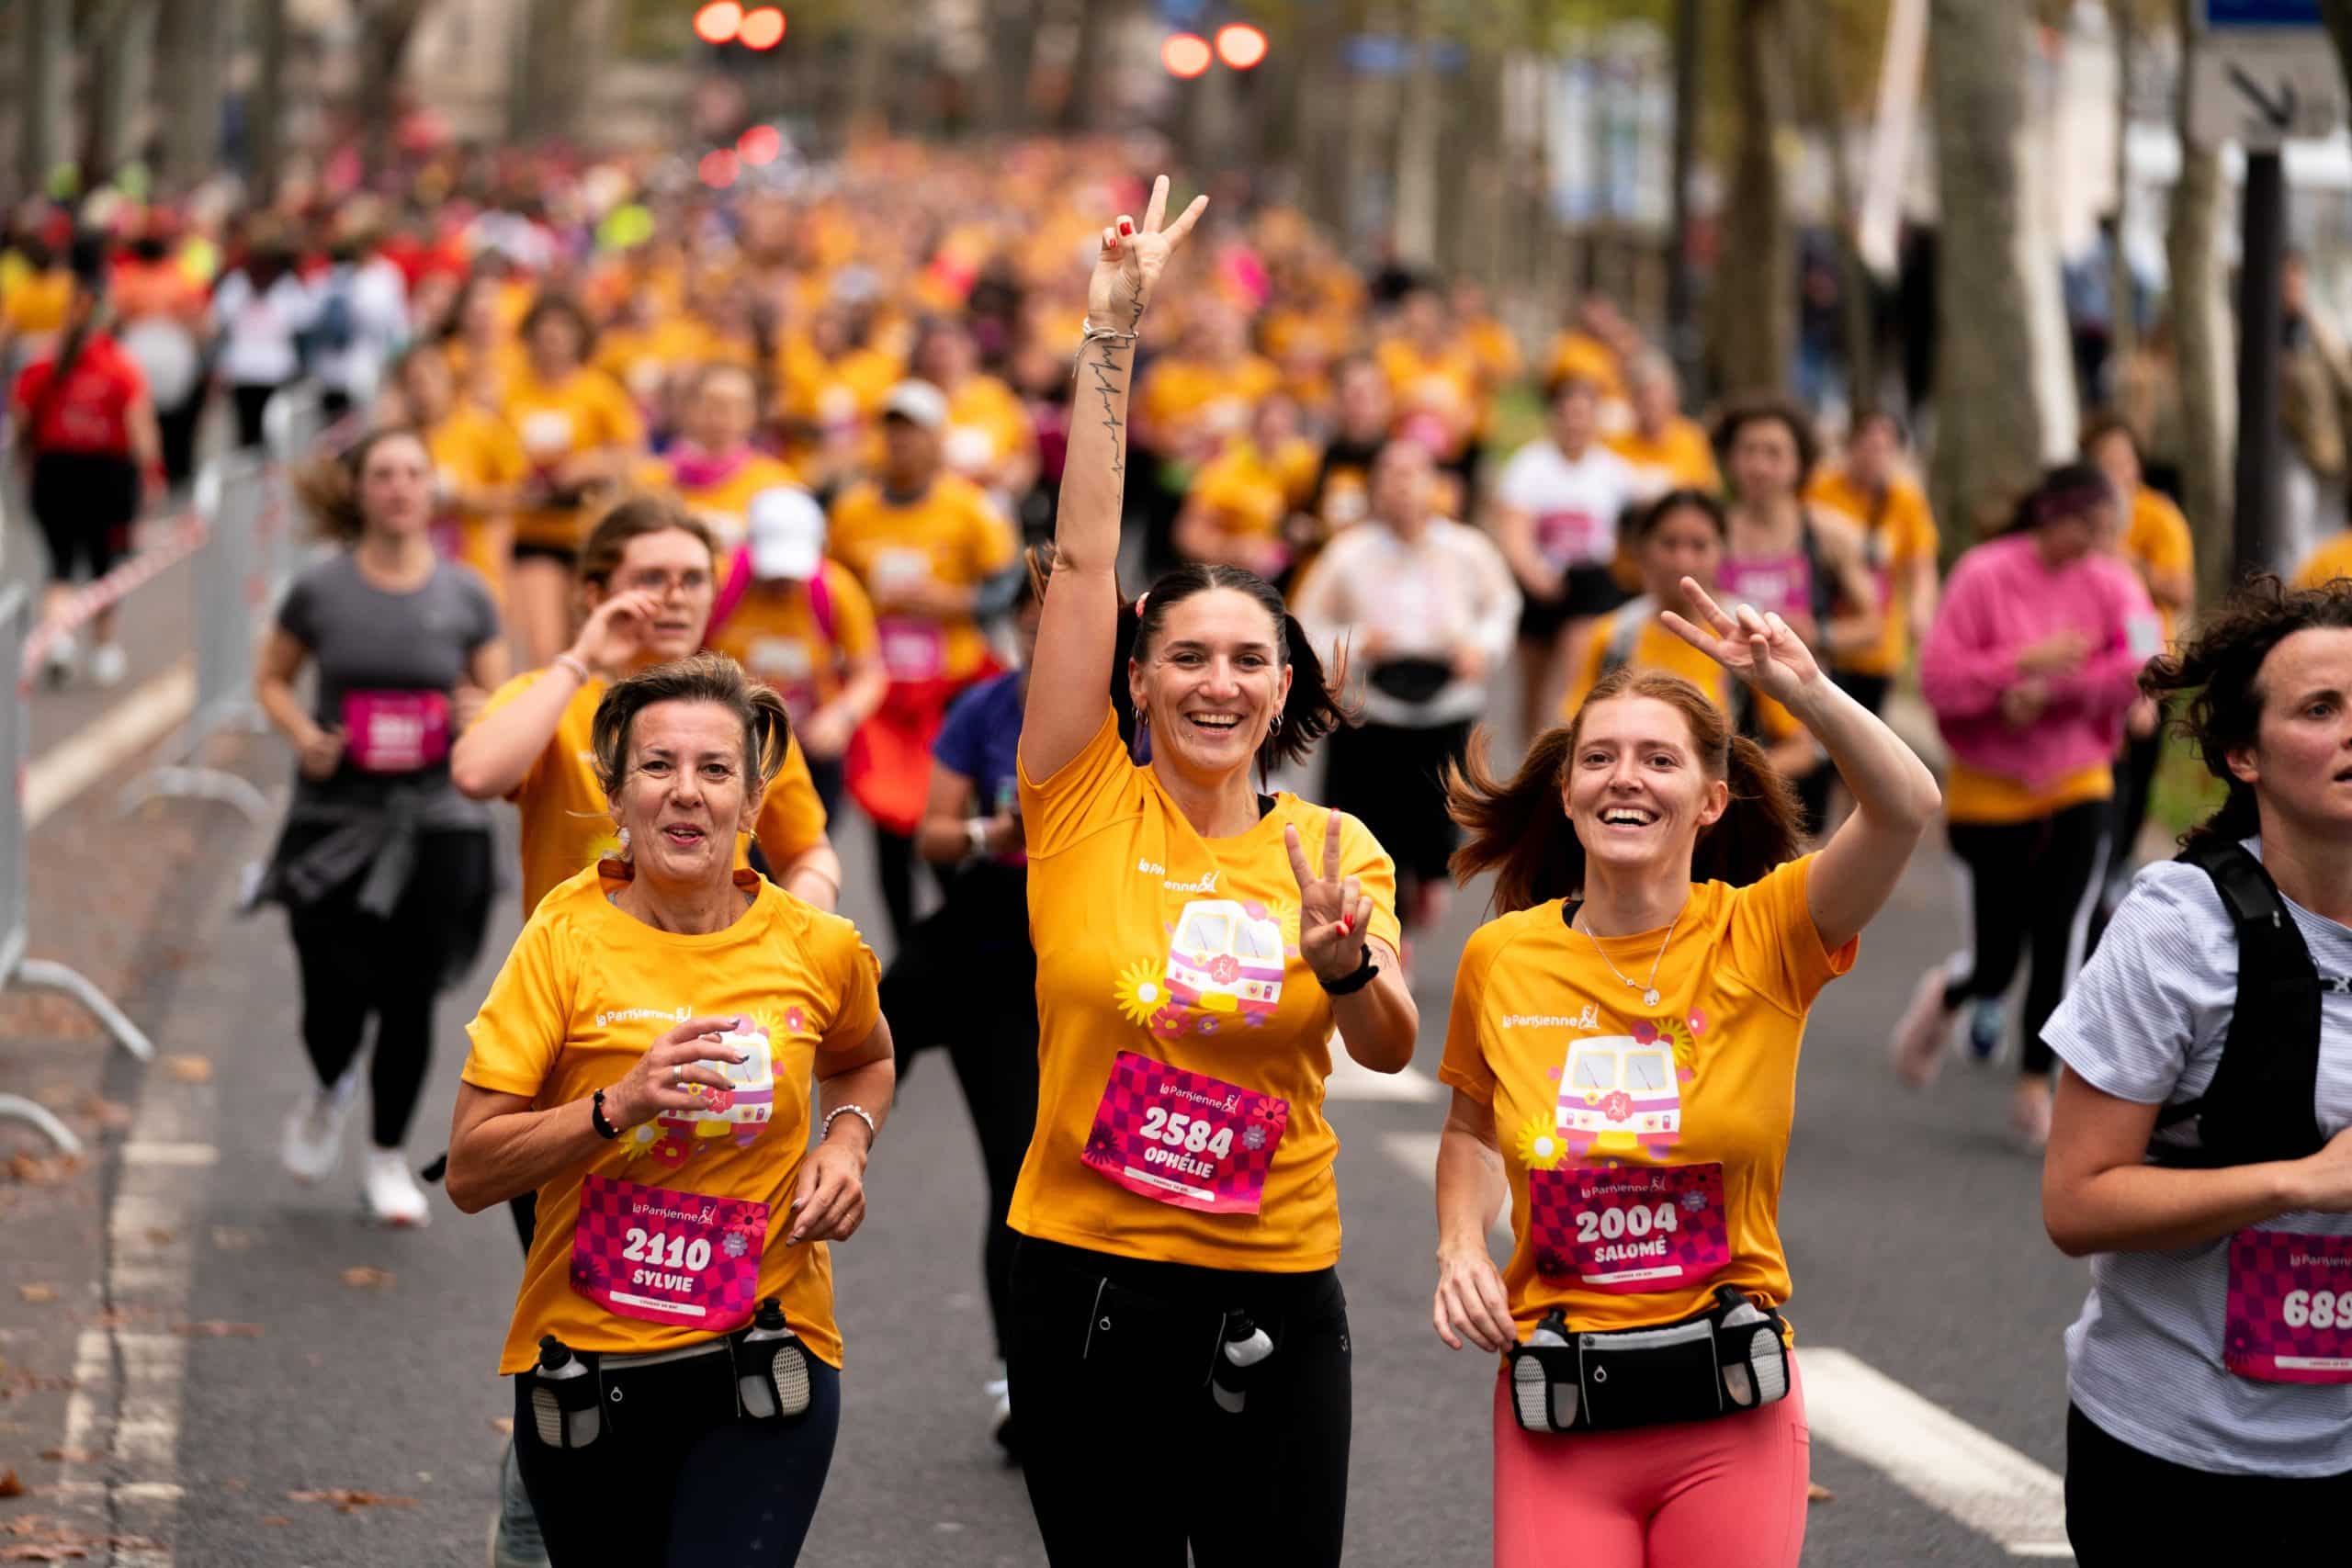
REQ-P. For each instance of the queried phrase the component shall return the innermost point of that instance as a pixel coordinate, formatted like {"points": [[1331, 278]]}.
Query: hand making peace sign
{"points": [[1758, 649], [1132, 260], [1332, 910]]}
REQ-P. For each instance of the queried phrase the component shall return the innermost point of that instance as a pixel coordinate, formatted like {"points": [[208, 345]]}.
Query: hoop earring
{"points": [[1276, 727], [1143, 718]]}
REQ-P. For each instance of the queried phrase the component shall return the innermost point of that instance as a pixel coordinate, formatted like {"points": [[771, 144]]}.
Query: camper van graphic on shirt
{"points": [[1619, 1094]]}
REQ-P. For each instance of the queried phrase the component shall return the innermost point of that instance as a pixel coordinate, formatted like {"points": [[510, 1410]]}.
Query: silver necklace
{"points": [[1649, 993]]}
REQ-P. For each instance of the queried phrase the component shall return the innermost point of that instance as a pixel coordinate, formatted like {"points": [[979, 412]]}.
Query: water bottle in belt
{"points": [[563, 1397], [1245, 1346], [771, 1372], [1527, 1374]]}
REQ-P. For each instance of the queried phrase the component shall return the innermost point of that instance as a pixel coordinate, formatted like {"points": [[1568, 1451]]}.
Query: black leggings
{"points": [[968, 979], [894, 867], [2027, 881], [677, 1475], [1111, 1361], [357, 966], [2126, 1508]]}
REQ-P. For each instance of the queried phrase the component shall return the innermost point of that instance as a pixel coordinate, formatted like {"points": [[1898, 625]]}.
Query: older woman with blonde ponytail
{"points": [[1623, 1052]]}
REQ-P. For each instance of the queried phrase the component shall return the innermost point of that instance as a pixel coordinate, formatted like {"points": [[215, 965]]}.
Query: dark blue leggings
{"points": [[676, 1476]]}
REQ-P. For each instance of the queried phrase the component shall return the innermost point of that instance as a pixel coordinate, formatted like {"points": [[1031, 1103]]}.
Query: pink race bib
{"points": [[1568, 538], [395, 733], [1629, 1229], [1185, 1138], [2290, 1313], [665, 1256], [911, 649]]}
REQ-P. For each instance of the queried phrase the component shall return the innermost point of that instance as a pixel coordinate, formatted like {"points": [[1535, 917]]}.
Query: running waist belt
{"points": [[575, 1393], [1732, 1357]]}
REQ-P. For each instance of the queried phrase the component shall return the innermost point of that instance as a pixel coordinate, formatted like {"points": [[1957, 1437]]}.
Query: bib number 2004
{"points": [[1609, 1224]]}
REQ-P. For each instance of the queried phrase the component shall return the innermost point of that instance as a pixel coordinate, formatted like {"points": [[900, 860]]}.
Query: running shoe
{"points": [[999, 1393], [109, 665], [314, 1140], [1988, 1019], [393, 1197], [1917, 1048], [2029, 1114], [514, 1539], [57, 665]]}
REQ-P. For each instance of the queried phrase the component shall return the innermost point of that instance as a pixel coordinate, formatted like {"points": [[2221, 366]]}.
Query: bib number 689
{"points": [[1192, 1134], [2317, 1309]]}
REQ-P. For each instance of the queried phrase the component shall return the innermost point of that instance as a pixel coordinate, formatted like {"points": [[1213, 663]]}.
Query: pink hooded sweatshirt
{"points": [[2003, 598]]}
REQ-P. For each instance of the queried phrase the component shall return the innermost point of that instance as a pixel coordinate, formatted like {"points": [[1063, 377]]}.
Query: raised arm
{"points": [[1894, 795], [1078, 627]]}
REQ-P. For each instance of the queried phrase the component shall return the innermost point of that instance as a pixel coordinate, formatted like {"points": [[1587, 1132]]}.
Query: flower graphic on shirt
{"points": [[1206, 1023], [1102, 1143], [1253, 1137], [1539, 1147], [1141, 991], [1684, 1039], [735, 1244]]}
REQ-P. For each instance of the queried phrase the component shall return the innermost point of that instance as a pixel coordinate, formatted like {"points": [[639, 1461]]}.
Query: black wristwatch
{"points": [[1349, 984], [605, 1129]]}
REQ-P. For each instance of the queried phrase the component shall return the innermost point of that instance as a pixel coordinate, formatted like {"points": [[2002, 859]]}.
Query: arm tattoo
{"points": [[1135, 303], [1104, 370]]}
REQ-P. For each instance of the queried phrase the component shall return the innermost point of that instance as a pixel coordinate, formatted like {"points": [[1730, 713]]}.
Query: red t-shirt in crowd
{"points": [[92, 412]]}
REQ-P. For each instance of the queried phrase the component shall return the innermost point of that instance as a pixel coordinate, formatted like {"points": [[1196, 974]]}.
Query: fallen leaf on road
{"points": [[158, 1236], [69, 1456], [360, 1277], [189, 1070], [32, 1170], [213, 1328], [1814, 1492], [112, 1115], [9, 1485], [348, 1500], [503, 1424], [42, 1551], [37, 1293]]}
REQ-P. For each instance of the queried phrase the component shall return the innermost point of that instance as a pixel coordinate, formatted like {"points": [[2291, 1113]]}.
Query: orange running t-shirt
{"points": [[585, 991], [952, 534], [474, 450], [1605, 1108], [568, 824], [585, 411], [1898, 532], [1159, 945], [777, 635]]}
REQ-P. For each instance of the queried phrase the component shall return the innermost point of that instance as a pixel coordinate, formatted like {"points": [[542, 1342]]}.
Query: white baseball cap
{"points": [[786, 529], [918, 403]]}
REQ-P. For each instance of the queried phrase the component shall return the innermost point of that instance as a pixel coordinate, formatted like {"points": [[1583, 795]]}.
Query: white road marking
{"points": [[1351, 1079], [1933, 1454], [97, 750], [179, 1154]]}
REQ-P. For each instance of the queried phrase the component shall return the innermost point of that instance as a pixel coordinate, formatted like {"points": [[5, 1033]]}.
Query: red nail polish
{"points": [[1346, 929], [1126, 227]]}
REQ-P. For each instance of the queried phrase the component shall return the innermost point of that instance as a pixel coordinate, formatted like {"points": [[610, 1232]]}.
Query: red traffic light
{"points": [[763, 29], [719, 22], [1185, 55], [1240, 45]]}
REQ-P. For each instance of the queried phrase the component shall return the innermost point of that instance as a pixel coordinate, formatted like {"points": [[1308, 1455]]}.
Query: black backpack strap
{"points": [[2260, 1104], [1626, 623], [1821, 586]]}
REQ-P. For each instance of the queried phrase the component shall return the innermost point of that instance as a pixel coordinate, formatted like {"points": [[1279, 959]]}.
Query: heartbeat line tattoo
{"points": [[1105, 369]]}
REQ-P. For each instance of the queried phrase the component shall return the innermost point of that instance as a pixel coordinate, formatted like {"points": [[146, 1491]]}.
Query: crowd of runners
{"points": [[704, 529]]}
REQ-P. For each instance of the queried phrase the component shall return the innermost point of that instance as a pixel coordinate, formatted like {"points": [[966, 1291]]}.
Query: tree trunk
{"points": [[2203, 352], [2337, 16], [44, 83], [869, 62], [2123, 331], [1988, 445], [1322, 106], [385, 30], [119, 48], [1824, 109], [562, 51], [1414, 220], [188, 40], [1755, 285], [265, 106], [1682, 332], [1013, 61], [1099, 23]]}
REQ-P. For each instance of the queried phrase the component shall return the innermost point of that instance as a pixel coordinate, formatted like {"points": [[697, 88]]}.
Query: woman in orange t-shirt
{"points": [[1623, 1052], [1179, 1214], [642, 1065]]}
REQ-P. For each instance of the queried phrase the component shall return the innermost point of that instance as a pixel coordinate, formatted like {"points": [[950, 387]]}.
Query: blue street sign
{"points": [[2224, 13]]}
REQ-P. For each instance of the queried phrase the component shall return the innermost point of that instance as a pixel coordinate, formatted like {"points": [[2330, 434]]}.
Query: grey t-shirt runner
{"points": [[366, 639], [2145, 1022]]}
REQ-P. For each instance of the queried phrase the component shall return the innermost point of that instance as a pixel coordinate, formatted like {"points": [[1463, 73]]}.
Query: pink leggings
{"points": [[1697, 1494]]}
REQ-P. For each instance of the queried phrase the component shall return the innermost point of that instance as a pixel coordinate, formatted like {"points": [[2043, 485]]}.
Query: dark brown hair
{"points": [[2221, 670], [2070, 489], [1312, 710], [1520, 829], [2107, 422], [329, 488], [1748, 411], [634, 517], [703, 678], [564, 305], [1648, 518]]}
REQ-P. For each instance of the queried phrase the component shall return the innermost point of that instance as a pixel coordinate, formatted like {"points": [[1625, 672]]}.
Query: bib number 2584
{"points": [[1184, 1138]]}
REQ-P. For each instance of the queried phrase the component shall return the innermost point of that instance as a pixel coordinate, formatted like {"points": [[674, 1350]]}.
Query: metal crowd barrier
{"points": [[17, 969]]}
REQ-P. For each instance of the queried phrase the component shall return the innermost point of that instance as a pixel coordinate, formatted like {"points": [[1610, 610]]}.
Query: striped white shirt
{"points": [[2145, 1022]]}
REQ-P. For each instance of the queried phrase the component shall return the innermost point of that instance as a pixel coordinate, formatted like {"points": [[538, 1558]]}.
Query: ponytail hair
{"points": [[1518, 827], [2069, 490], [1313, 709]]}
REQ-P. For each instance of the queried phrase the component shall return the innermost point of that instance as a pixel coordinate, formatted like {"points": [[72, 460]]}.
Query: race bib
{"points": [[1571, 539], [2289, 1317], [395, 733], [1628, 1229], [546, 433], [1184, 1138], [665, 1256], [911, 649]]}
